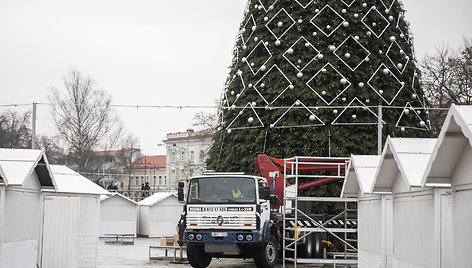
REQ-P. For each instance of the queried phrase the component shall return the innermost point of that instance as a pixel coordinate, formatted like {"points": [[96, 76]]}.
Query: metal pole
{"points": [[33, 129], [379, 131]]}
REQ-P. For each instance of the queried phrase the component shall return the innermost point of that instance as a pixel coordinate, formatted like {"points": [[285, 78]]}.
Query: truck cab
{"points": [[227, 216]]}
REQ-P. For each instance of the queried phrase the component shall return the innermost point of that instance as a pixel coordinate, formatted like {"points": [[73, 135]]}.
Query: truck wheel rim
{"points": [[270, 252]]}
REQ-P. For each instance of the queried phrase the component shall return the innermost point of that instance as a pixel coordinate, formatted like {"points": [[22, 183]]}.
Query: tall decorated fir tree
{"points": [[308, 77]]}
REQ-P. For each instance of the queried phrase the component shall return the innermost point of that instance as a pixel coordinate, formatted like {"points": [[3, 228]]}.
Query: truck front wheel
{"points": [[266, 256], [197, 257]]}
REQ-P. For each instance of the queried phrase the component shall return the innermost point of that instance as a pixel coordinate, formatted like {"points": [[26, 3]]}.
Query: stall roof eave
{"points": [[17, 165], [409, 156], [106, 197], [458, 125], [69, 181], [360, 175], [156, 198]]}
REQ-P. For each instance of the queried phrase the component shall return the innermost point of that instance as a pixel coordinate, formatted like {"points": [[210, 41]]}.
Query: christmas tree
{"points": [[308, 76]]}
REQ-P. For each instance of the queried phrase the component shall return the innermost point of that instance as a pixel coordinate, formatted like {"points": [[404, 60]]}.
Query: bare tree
{"points": [[205, 120], [83, 116], [15, 130], [51, 147], [129, 153], [447, 79]]}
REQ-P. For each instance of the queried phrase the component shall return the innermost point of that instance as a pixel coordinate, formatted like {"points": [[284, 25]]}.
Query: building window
{"points": [[174, 155], [160, 182], [142, 180], [165, 179], [182, 156], [202, 156], [154, 180], [192, 156], [136, 181]]}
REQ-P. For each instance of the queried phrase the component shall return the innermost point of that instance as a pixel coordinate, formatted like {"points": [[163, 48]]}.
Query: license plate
{"points": [[219, 234]]}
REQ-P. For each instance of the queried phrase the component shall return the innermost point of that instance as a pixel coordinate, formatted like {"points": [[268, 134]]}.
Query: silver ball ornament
{"points": [[361, 84], [312, 117], [347, 55], [280, 24], [290, 51], [343, 81], [229, 130], [277, 42], [299, 74], [250, 120], [385, 71], [345, 24], [332, 48], [354, 116]]}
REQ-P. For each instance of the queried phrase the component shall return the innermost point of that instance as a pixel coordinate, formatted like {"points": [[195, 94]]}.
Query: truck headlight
{"points": [[191, 236], [199, 237], [240, 237], [249, 237]]}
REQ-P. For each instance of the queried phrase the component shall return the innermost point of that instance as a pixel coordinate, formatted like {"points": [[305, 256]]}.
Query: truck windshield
{"points": [[222, 190]]}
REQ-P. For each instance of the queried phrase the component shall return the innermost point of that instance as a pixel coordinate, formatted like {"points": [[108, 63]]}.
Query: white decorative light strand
{"points": [[293, 45], [298, 103], [340, 58], [257, 85], [320, 96], [364, 107], [290, 26], [319, 28], [411, 109], [248, 56], [368, 27], [378, 91], [241, 113]]}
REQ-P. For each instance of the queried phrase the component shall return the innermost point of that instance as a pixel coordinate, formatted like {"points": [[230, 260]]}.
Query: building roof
{"points": [[156, 198], [189, 134], [360, 175], [152, 161], [18, 164], [117, 195], [455, 135], [409, 156], [69, 181]]}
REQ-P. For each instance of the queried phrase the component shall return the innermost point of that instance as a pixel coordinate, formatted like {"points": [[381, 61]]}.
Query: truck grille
{"points": [[242, 222]]}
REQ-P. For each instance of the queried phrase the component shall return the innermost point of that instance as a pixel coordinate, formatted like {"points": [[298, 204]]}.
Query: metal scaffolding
{"points": [[298, 225]]}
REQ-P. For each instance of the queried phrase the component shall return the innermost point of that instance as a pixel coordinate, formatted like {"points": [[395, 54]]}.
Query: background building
{"points": [[151, 169], [186, 154]]}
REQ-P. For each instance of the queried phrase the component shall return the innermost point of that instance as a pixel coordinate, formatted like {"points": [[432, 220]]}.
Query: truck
{"points": [[228, 215], [232, 215]]}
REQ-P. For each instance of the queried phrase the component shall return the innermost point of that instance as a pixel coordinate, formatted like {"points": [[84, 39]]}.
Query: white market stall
{"points": [[372, 236], [118, 215], [71, 220], [23, 174], [417, 238], [451, 165], [159, 215]]}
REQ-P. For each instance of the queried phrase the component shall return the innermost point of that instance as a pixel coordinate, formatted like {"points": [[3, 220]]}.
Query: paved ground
{"points": [[137, 255]]}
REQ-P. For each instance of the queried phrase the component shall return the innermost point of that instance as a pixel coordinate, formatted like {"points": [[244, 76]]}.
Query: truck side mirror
{"points": [[180, 191], [265, 193]]}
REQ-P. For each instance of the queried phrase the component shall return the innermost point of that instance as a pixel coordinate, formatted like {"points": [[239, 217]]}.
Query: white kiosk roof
{"points": [[16, 165], [69, 181], [409, 156], [360, 175], [155, 198], [455, 135], [106, 197]]}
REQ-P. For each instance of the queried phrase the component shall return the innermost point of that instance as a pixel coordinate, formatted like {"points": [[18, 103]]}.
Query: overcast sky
{"points": [[153, 52]]}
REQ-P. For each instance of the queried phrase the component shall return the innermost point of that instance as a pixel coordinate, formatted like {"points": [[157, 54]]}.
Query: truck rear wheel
{"points": [[197, 257], [313, 247], [266, 256]]}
